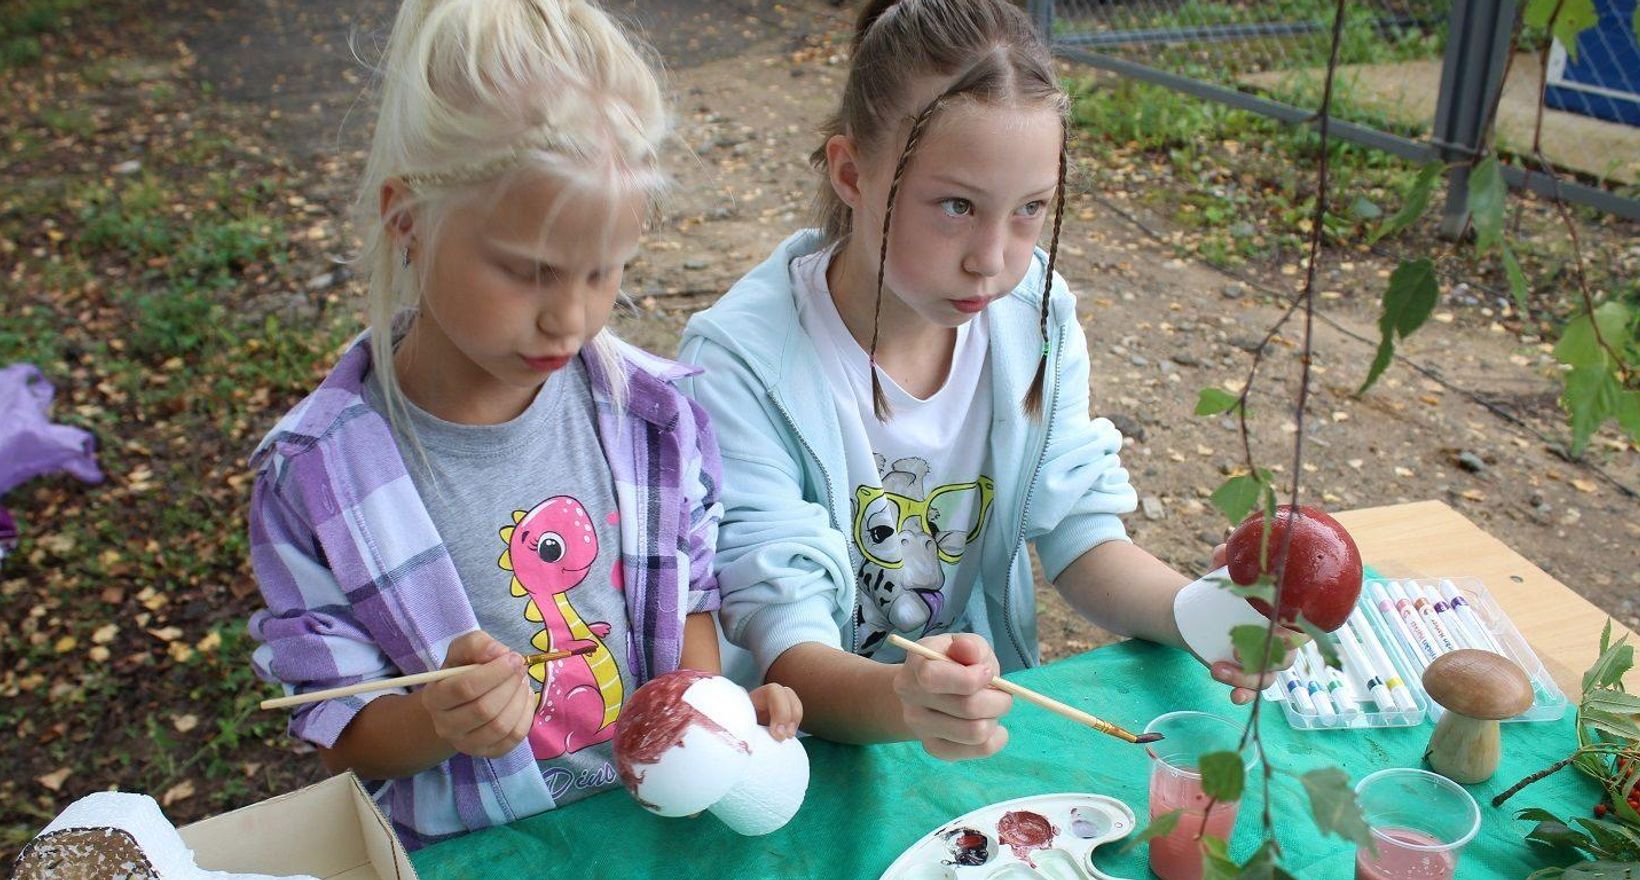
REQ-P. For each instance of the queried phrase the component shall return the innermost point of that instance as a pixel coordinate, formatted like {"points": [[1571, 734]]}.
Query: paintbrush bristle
{"points": [[1148, 738]]}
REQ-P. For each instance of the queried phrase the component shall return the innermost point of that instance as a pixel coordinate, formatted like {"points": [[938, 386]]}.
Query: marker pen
{"points": [[1355, 661], [1384, 609], [1399, 692], [1423, 642], [1467, 614]]}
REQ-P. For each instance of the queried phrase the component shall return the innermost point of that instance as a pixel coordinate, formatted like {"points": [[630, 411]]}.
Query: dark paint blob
{"points": [[968, 847]]}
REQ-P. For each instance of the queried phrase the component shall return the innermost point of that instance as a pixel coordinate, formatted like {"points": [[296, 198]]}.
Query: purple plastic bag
{"points": [[30, 445]]}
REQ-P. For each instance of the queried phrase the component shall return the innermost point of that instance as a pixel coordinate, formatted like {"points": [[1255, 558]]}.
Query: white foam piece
{"points": [[772, 789], [693, 775], [139, 816], [1206, 611]]}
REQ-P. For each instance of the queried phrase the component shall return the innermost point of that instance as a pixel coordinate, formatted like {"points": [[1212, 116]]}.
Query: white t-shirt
{"points": [[920, 486]]}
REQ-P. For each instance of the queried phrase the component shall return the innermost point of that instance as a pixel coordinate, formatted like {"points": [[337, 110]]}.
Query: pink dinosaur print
{"points": [[549, 551]]}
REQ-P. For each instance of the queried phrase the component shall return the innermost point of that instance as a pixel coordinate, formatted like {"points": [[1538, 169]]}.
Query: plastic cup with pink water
{"points": [[1420, 821], [1175, 784]]}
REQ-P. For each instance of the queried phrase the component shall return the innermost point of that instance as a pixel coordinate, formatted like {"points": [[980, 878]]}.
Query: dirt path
{"points": [[752, 80]]}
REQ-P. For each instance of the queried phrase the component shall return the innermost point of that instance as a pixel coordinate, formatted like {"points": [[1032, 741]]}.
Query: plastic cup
{"points": [[1175, 784], [1420, 822]]}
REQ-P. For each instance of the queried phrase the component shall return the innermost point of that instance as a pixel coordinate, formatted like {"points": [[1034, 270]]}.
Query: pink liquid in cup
{"points": [[1401, 863], [1178, 856]]}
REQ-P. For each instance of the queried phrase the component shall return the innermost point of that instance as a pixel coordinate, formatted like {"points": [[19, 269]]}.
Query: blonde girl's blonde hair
{"points": [[477, 92], [983, 51]]}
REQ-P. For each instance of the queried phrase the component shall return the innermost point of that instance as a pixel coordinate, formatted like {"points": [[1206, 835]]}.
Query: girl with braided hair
{"points": [[901, 401], [488, 473]]}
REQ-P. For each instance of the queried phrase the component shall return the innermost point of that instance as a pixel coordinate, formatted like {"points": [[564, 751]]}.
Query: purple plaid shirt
{"points": [[360, 586]]}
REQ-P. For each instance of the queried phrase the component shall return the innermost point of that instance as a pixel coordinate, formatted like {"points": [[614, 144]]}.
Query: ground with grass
{"points": [[171, 223]]}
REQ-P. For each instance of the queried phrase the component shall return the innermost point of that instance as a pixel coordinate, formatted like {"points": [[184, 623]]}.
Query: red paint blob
{"points": [[1024, 831]]}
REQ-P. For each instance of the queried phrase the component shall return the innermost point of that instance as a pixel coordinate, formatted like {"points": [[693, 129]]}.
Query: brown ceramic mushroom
{"points": [[1477, 689]]}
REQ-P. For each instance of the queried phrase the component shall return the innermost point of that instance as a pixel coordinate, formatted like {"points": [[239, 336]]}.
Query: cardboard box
{"points": [[331, 830]]}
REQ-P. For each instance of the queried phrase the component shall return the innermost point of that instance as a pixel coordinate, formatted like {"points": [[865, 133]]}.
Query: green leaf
{"points": [[1363, 208], [1628, 413], [1613, 701], [1408, 302], [1216, 863], [1265, 864], [1620, 726], [1213, 401], [1552, 832], [1160, 826], [1611, 839], [1574, 17], [1487, 196], [1580, 347], [1332, 801], [1252, 642], [1413, 202], [1517, 280], [1263, 589], [1223, 775], [1602, 870], [1591, 396], [1323, 642], [1240, 494], [1614, 663]]}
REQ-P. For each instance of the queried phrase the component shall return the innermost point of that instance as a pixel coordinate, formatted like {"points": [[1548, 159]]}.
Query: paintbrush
{"points": [[365, 687], [1046, 702]]}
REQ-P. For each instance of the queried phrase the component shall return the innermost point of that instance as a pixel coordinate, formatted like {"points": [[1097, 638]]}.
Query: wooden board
{"points": [[1430, 539]]}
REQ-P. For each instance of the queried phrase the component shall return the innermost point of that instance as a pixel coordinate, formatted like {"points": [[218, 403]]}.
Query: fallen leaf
{"points": [[55, 779], [185, 723], [105, 634], [179, 792], [1585, 486], [166, 634]]}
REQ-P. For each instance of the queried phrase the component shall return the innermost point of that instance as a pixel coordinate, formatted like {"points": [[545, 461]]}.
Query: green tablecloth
{"points": [[865, 805]]}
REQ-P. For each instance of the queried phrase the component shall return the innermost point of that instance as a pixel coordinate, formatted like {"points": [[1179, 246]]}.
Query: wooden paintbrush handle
{"points": [[405, 681], [1025, 693]]}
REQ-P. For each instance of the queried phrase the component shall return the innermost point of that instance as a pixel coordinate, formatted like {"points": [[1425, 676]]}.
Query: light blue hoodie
{"points": [[786, 568]]}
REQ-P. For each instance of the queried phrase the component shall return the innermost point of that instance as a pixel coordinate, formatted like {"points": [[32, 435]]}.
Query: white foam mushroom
{"points": [[690, 742]]}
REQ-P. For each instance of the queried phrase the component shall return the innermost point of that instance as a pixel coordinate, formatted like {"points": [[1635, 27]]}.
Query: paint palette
{"points": [[1043, 836]]}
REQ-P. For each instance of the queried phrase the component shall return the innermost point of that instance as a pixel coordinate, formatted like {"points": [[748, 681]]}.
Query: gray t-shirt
{"points": [[527, 509]]}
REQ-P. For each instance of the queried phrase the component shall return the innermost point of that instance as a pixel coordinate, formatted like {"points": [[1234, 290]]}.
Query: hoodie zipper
{"points": [[1025, 511], [831, 507]]}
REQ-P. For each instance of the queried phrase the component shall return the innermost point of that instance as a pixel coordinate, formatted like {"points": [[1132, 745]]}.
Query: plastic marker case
{"points": [[1548, 704]]}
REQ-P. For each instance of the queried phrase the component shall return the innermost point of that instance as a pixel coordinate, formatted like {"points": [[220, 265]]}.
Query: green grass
{"points": [[23, 21], [1246, 181]]}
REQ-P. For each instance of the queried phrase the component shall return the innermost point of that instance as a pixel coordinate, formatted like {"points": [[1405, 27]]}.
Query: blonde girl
{"points": [[901, 399], [491, 473]]}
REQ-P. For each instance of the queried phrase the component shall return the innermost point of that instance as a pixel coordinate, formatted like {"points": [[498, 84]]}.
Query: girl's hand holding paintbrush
{"points": [[479, 703], [486, 711], [949, 703]]}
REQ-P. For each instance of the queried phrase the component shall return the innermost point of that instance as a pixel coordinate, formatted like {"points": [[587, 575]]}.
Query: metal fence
{"points": [[1417, 77]]}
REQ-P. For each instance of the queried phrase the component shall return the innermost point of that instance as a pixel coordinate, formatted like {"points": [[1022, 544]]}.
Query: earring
{"points": [[407, 256]]}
